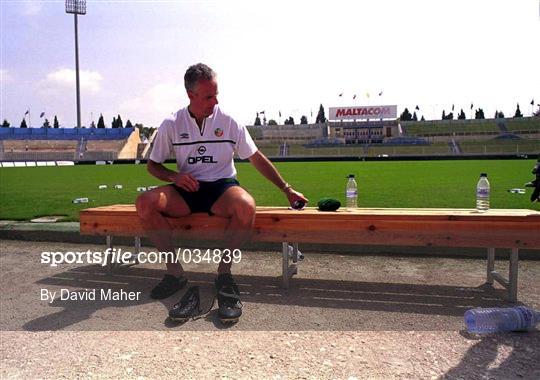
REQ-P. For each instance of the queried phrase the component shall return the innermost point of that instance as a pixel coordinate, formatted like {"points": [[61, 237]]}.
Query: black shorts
{"points": [[203, 199]]}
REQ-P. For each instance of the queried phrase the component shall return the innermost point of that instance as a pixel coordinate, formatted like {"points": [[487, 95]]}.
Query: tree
{"points": [[303, 119], [289, 121], [23, 124], [119, 123], [499, 115], [56, 124], [46, 123], [5, 124], [257, 120], [321, 118], [422, 119], [113, 124], [92, 124], [414, 117], [272, 122], [101, 123], [128, 124], [144, 131], [405, 115], [461, 115], [450, 116], [518, 112], [479, 114]]}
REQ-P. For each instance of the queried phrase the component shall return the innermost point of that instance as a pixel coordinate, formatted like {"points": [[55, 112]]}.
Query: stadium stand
{"points": [[299, 134], [436, 137], [52, 144]]}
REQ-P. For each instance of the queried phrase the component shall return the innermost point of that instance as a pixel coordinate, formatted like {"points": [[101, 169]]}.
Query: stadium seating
{"points": [[90, 144], [65, 133]]}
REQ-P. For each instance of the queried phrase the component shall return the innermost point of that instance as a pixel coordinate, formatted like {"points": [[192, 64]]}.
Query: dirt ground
{"points": [[344, 317]]}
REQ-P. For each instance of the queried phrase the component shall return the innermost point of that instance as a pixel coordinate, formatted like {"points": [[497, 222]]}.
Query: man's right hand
{"points": [[185, 181]]}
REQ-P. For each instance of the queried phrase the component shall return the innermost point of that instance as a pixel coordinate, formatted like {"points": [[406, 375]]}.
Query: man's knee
{"points": [[147, 203], [143, 205], [243, 209]]}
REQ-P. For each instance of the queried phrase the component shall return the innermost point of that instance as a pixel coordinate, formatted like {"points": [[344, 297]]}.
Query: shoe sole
{"points": [[180, 320], [229, 320]]}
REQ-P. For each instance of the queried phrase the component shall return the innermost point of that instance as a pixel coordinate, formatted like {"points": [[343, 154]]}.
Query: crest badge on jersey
{"points": [[218, 132]]}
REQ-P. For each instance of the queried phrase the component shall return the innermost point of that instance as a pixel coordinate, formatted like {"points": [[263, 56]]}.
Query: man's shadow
{"points": [[523, 362], [257, 290]]}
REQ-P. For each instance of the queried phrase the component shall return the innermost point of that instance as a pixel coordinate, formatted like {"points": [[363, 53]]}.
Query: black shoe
{"points": [[185, 308], [228, 295], [168, 286]]}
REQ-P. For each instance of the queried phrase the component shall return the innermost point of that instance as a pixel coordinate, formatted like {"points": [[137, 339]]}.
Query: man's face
{"points": [[203, 98]]}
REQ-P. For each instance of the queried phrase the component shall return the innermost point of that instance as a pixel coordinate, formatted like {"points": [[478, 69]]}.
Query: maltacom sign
{"points": [[362, 112]]}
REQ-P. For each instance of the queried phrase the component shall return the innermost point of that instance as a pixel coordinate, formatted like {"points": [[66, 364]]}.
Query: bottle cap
{"points": [[351, 176], [483, 174]]}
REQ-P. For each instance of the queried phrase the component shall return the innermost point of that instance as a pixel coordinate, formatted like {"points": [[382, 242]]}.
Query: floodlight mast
{"points": [[77, 7]]}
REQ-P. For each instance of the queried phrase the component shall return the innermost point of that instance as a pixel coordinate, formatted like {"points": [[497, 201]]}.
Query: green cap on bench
{"points": [[329, 204]]}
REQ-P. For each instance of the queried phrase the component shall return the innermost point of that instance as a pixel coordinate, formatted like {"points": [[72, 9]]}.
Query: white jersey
{"points": [[206, 153]]}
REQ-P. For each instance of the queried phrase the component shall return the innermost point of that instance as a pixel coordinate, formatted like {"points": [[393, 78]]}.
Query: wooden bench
{"points": [[510, 229]]}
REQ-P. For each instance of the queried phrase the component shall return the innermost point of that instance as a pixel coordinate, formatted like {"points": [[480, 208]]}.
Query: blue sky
{"points": [[286, 56]]}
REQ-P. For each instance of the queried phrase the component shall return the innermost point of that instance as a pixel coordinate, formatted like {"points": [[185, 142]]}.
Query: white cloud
{"points": [[155, 104], [89, 80], [31, 8], [5, 76]]}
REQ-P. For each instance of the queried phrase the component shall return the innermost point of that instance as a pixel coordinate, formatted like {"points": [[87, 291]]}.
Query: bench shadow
{"points": [[440, 300]]}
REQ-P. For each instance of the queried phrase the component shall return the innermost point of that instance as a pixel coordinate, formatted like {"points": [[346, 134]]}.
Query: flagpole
{"points": [[77, 73], [77, 7]]}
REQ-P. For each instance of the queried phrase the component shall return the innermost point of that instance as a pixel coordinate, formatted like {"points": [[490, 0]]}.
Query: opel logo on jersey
{"points": [[218, 132], [202, 159]]}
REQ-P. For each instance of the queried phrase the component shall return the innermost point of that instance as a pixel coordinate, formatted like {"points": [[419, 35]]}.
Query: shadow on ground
{"points": [[500, 356], [310, 304]]}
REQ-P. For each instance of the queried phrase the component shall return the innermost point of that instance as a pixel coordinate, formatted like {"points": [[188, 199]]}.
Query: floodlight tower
{"points": [[77, 7]]}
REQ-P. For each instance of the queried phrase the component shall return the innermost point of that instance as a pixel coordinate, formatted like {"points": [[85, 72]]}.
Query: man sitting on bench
{"points": [[204, 141]]}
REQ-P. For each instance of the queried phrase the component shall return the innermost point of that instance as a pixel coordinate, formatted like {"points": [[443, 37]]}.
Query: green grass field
{"points": [[29, 192]]}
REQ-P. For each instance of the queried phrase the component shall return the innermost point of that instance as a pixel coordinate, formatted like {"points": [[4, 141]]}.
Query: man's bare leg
{"points": [[239, 206], [152, 207]]}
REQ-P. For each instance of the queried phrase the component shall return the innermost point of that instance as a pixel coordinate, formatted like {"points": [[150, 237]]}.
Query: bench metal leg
{"points": [[109, 258], [111, 266], [137, 250], [509, 284], [288, 270], [513, 275], [490, 265]]}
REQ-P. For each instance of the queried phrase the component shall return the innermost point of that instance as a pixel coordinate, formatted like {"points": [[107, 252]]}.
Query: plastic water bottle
{"points": [[80, 200], [351, 192], [493, 320], [482, 193]]}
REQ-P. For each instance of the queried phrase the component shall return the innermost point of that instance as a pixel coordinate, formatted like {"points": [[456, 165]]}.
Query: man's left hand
{"points": [[293, 196]]}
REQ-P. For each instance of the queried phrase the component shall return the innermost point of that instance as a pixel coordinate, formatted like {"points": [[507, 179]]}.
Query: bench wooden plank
{"points": [[496, 228]]}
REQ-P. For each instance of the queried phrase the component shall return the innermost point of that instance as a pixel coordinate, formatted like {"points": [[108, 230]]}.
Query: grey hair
{"points": [[195, 73]]}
